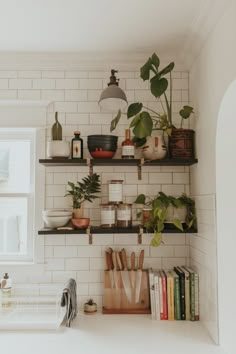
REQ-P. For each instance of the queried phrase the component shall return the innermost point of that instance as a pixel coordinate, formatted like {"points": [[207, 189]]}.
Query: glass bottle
{"points": [[56, 129], [77, 146], [108, 215], [127, 146]]}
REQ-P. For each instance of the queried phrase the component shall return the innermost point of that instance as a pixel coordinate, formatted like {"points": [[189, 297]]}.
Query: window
{"points": [[17, 194]]}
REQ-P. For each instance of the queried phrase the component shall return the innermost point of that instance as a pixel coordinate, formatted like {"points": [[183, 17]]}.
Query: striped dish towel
{"points": [[69, 299]]}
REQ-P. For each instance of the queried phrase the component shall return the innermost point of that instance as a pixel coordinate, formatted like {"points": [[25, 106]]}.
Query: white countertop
{"points": [[113, 334]]}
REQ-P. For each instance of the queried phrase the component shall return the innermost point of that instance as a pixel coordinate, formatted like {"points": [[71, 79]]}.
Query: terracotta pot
{"points": [[146, 214], [81, 223], [181, 144], [154, 148], [78, 213]]}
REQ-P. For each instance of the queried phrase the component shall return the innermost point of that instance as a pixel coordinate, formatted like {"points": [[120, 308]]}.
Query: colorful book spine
{"points": [[170, 296], [187, 293], [161, 295], [152, 295], [156, 296], [182, 291], [164, 296], [177, 313], [192, 293]]}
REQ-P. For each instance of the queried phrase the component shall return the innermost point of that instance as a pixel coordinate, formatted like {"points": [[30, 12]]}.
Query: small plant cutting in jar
{"points": [[145, 120], [82, 191], [165, 209]]}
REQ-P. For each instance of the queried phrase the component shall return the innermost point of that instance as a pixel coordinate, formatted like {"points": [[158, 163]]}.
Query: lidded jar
{"points": [[108, 215], [115, 191], [124, 215]]}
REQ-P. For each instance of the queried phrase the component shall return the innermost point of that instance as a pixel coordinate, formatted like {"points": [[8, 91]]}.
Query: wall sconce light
{"points": [[113, 97]]}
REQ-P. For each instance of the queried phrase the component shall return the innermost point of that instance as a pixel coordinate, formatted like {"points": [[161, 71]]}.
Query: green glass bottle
{"points": [[56, 129]]}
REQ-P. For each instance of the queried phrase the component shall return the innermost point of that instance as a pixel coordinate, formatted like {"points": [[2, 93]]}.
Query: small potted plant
{"points": [[81, 192], [145, 121], [177, 211], [90, 306]]}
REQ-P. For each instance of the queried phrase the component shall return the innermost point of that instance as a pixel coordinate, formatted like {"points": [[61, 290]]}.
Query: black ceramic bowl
{"points": [[102, 143]]}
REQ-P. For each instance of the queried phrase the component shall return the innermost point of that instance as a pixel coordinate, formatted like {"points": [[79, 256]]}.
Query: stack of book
{"points": [[174, 294]]}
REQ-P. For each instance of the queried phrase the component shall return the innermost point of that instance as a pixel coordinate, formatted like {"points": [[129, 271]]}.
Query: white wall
{"points": [[210, 77], [75, 94]]}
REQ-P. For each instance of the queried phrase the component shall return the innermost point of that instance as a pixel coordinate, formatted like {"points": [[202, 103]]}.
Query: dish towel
{"points": [[69, 299]]}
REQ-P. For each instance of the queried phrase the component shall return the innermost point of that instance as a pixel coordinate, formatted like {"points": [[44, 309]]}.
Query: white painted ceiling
{"points": [[99, 25]]}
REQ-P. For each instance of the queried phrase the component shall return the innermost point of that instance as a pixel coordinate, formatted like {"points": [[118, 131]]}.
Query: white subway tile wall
{"points": [[75, 95]]}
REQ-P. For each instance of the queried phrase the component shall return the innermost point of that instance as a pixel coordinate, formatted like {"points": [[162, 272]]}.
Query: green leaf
{"points": [[140, 199], [178, 224], [158, 86], [115, 121], [160, 226], [134, 109], [155, 60], [156, 241], [135, 120], [139, 142], [143, 126], [186, 111], [145, 70], [167, 69]]}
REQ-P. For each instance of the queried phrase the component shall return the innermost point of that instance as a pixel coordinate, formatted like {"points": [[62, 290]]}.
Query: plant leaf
{"points": [[143, 126], [115, 121], [186, 111], [178, 224], [145, 70], [158, 86], [155, 60], [139, 142], [140, 199], [134, 109], [167, 69], [156, 241], [135, 120]]}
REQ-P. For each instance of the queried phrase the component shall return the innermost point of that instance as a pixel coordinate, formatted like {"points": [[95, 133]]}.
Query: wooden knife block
{"points": [[115, 299]]}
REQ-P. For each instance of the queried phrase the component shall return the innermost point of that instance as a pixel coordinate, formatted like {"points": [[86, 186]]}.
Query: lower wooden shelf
{"points": [[169, 229]]}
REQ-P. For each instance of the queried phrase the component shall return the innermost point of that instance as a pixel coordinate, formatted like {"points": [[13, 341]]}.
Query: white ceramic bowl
{"points": [[58, 148], [56, 221], [57, 212]]}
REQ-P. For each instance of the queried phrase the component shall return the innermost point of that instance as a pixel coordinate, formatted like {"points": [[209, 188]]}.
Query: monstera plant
{"points": [[146, 120]]}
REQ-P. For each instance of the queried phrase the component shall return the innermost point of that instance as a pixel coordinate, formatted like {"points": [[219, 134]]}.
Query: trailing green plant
{"points": [[146, 120], [85, 190], [159, 205]]}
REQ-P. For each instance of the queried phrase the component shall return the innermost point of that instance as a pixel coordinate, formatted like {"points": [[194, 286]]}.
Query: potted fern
{"points": [[83, 191], [145, 121]]}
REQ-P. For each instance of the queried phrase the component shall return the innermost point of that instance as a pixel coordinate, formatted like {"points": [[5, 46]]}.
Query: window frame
{"points": [[21, 134]]}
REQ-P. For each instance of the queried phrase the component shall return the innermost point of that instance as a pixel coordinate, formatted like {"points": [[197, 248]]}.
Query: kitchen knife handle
{"points": [[118, 260], [132, 261], [114, 260], [141, 259], [108, 260], [124, 260]]}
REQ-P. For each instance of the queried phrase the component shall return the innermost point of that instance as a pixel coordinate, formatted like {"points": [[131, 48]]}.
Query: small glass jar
{"points": [[108, 215], [115, 191], [124, 215]]}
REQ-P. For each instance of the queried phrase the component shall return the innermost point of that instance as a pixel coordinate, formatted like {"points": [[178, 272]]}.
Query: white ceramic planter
{"points": [[154, 148], [174, 213], [58, 148]]}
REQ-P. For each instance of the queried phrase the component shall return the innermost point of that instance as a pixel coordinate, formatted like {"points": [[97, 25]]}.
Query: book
{"points": [[170, 295], [177, 313], [152, 293], [182, 291], [160, 295], [164, 295], [195, 293], [192, 292], [157, 295], [187, 293]]}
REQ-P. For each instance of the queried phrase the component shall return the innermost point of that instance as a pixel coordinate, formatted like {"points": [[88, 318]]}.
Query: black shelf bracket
{"points": [[141, 163]]}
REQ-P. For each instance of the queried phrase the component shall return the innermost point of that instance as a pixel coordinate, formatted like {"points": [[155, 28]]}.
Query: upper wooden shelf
{"points": [[117, 162]]}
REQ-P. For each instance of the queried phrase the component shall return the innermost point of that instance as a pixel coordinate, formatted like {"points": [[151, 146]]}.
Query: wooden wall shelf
{"points": [[117, 162]]}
